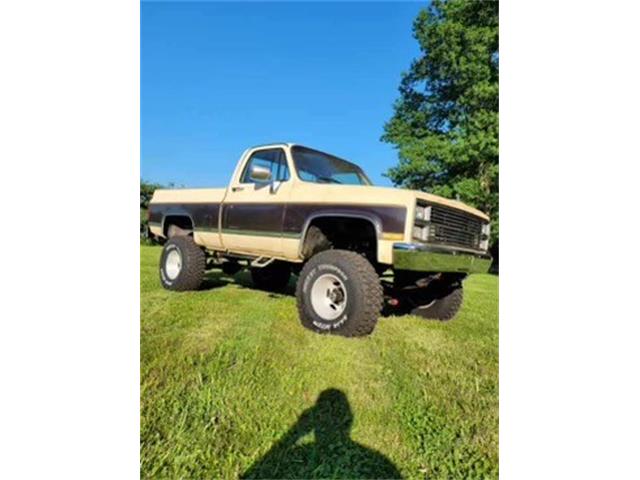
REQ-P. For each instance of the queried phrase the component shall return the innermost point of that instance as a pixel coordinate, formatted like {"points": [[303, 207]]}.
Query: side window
{"points": [[283, 169], [273, 160]]}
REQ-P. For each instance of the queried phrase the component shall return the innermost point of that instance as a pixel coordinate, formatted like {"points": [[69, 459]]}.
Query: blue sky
{"points": [[219, 77]]}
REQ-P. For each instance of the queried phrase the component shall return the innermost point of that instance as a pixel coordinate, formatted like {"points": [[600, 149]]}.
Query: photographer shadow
{"points": [[332, 455]]}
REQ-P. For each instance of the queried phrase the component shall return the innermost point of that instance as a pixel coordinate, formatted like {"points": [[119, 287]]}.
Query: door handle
{"points": [[237, 189]]}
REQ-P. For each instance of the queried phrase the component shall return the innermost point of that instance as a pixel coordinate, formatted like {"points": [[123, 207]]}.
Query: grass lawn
{"points": [[233, 386]]}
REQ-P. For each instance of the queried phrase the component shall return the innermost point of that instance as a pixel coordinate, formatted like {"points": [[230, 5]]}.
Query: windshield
{"points": [[318, 167]]}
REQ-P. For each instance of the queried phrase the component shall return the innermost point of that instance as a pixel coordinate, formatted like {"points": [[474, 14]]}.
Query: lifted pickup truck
{"points": [[290, 209]]}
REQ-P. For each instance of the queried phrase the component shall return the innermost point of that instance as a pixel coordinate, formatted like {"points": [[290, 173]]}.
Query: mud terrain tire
{"points": [[339, 292], [443, 307], [182, 264]]}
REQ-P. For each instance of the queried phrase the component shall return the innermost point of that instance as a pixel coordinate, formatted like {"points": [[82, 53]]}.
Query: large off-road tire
{"points": [[339, 292], [182, 264], [274, 277], [442, 304]]}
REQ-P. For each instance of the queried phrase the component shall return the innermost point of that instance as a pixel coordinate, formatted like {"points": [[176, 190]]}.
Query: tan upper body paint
{"points": [[295, 190]]}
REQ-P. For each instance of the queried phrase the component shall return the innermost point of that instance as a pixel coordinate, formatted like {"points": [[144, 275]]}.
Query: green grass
{"points": [[233, 386]]}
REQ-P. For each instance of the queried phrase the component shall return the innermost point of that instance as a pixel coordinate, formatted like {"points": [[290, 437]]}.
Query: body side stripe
{"points": [[288, 219]]}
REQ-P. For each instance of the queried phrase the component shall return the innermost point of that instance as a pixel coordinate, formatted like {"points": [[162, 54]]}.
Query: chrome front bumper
{"points": [[426, 258]]}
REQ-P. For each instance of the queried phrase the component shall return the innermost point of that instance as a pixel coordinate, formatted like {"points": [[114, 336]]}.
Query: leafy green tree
{"points": [[146, 192], [445, 123]]}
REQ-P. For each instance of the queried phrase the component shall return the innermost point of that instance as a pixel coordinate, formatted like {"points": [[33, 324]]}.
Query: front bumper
{"points": [[426, 258]]}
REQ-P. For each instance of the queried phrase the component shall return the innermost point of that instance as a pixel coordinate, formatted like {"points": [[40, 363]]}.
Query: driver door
{"points": [[253, 210]]}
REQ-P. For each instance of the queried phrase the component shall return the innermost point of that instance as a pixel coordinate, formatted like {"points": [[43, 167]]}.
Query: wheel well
{"points": [[349, 233], [180, 221]]}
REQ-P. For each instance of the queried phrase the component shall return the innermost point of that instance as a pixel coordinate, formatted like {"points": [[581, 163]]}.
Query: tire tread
{"points": [[194, 261], [445, 308], [364, 321]]}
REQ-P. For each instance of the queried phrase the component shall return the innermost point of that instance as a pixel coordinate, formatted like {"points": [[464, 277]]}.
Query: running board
{"points": [[252, 261], [261, 262]]}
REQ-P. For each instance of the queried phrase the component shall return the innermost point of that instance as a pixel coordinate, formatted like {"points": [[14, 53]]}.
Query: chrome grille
{"points": [[451, 227]]}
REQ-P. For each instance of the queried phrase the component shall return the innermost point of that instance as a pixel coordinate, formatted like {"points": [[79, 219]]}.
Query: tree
{"points": [[146, 192], [445, 123]]}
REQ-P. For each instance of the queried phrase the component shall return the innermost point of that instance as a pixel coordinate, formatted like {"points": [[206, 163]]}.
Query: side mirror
{"points": [[260, 174]]}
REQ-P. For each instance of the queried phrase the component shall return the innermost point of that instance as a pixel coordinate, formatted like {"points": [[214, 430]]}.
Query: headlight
{"points": [[486, 235], [423, 213], [421, 233]]}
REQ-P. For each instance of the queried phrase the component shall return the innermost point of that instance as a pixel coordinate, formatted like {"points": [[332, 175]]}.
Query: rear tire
{"points": [[339, 292], [182, 264], [274, 277]]}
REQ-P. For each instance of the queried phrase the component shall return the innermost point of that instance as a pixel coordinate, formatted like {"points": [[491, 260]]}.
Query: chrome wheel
{"points": [[173, 264], [328, 296]]}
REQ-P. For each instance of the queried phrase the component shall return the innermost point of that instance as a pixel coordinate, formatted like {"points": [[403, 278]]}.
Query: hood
{"points": [[382, 196], [449, 203]]}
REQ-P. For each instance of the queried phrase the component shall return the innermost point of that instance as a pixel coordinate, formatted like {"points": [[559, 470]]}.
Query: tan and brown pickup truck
{"points": [[354, 248]]}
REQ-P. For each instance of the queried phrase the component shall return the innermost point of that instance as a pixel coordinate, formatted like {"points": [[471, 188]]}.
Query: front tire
{"points": [[443, 303], [339, 292], [182, 264]]}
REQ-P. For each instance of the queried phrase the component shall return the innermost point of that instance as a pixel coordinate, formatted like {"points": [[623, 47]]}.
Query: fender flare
{"points": [[371, 218], [176, 212]]}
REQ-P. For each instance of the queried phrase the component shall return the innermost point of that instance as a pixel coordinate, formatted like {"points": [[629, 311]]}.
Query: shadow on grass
{"points": [[217, 279], [332, 455]]}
